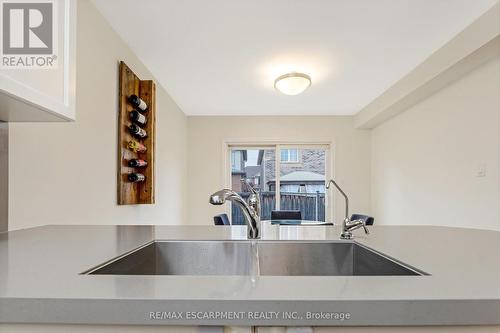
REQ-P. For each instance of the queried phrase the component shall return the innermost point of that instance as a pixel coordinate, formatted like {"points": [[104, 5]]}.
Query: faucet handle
{"points": [[365, 228], [348, 226], [356, 224]]}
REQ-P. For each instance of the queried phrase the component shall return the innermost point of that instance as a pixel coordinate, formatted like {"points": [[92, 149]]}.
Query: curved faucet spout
{"points": [[343, 194], [252, 217]]}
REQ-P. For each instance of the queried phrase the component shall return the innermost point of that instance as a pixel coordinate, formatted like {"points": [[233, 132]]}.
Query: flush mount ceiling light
{"points": [[292, 83]]}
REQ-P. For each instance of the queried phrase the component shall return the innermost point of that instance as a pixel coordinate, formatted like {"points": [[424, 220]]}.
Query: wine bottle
{"points": [[138, 117], [137, 163], [136, 177], [137, 131], [138, 103], [136, 147]]}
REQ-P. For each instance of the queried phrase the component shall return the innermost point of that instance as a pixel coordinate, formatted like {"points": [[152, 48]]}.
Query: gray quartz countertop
{"points": [[41, 280]]}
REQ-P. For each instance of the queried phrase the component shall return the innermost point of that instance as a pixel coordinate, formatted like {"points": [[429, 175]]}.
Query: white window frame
{"points": [[288, 150], [227, 145]]}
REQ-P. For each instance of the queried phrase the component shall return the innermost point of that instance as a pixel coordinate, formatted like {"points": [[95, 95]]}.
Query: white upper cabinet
{"points": [[38, 60]]}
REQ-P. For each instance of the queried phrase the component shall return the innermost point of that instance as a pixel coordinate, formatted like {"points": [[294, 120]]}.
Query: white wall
{"points": [[425, 161], [65, 173], [206, 163], [4, 175]]}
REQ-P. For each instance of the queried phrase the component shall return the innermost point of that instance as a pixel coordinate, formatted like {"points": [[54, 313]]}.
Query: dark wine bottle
{"points": [[136, 177], [138, 117], [138, 103], [137, 163], [137, 131]]}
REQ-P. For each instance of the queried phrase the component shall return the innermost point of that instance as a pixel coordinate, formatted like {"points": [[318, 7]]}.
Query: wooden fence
{"points": [[312, 205]]}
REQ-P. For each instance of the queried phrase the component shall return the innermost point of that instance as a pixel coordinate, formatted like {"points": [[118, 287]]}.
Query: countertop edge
{"points": [[264, 313]]}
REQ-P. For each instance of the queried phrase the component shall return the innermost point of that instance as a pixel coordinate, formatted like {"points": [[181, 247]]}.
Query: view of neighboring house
{"points": [[250, 173], [300, 182], [301, 178], [301, 170]]}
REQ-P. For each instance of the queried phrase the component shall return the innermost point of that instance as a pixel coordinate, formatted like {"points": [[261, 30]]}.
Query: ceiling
{"points": [[220, 57]]}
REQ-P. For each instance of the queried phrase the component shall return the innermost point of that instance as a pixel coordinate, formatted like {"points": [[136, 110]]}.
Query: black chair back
{"points": [[286, 215], [367, 219], [221, 219]]}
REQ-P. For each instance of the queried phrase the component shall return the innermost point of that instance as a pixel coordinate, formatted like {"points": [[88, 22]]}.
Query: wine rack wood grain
{"points": [[130, 193]]}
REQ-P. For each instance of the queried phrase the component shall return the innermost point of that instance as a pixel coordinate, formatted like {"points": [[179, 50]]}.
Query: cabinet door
{"points": [[32, 86]]}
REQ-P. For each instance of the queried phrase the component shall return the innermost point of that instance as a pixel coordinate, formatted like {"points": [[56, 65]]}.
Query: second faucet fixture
{"points": [[347, 224]]}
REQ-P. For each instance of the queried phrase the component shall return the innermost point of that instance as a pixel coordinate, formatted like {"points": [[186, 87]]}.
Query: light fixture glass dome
{"points": [[292, 83]]}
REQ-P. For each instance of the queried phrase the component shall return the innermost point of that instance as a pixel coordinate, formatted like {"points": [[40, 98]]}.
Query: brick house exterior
{"points": [[312, 160]]}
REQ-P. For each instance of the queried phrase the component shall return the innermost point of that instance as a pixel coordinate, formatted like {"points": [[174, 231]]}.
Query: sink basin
{"points": [[278, 258]]}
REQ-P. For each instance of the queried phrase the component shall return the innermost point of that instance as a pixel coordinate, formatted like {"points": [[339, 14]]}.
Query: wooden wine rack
{"points": [[130, 193]]}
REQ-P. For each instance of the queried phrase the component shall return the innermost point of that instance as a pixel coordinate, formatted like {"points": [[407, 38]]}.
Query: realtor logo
{"points": [[28, 34]]}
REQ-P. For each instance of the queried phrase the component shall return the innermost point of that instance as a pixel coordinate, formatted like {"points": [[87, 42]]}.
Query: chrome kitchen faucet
{"points": [[347, 224], [251, 210]]}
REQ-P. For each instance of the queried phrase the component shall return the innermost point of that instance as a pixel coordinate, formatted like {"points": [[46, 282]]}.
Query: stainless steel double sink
{"points": [[276, 258]]}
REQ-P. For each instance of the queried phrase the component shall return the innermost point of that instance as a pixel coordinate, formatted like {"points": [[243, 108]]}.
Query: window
{"points": [[236, 160], [256, 167], [289, 155], [283, 183]]}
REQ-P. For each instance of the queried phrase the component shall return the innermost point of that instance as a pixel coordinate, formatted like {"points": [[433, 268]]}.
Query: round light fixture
{"points": [[292, 83]]}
